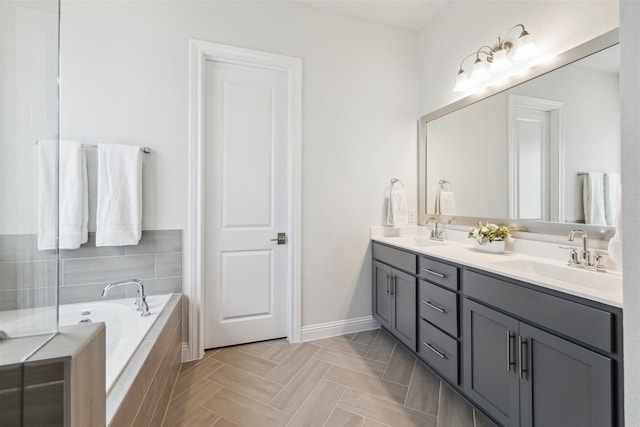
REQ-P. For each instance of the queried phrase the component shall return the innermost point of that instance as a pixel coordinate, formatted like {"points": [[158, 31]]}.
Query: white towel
{"points": [[614, 248], [593, 198], [70, 195], [119, 199], [445, 202], [47, 194], [397, 211], [611, 196]]}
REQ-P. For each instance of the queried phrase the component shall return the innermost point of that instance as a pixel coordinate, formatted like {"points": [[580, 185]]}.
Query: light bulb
{"points": [[462, 82], [500, 61], [525, 48], [479, 73]]}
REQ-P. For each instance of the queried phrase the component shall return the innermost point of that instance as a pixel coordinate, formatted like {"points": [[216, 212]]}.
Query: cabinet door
{"points": [[403, 290], [381, 293], [564, 384], [489, 376]]}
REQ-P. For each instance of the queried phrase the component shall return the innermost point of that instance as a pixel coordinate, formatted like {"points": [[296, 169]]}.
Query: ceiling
{"points": [[409, 14]]}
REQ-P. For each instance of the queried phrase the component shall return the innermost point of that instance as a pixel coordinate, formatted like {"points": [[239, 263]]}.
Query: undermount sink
{"points": [[426, 241], [583, 278]]}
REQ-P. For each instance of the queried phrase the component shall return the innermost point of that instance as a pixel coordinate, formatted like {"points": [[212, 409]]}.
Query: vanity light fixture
{"points": [[497, 56]]}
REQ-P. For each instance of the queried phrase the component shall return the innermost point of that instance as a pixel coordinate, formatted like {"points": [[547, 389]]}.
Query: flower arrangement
{"points": [[487, 233]]}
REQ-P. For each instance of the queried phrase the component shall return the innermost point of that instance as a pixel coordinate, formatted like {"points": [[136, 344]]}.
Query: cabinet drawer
{"points": [[439, 350], [439, 272], [578, 321], [395, 257], [439, 306]]}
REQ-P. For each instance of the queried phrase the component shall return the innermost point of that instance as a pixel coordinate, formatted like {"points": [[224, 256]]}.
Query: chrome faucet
{"points": [[141, 299], [585, 258], [435, 233]]}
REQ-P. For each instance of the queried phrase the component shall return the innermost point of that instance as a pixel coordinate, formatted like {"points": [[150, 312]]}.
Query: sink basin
{"points": [[425, 241], [574, 276]]}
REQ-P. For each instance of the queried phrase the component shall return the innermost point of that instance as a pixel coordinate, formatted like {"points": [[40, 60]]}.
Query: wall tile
{"points": [[107, 269], [89, 250], [157, 241], [27, 274], [165, 285], [28, 298], [169, 265], [81, 293], [22, 247]]}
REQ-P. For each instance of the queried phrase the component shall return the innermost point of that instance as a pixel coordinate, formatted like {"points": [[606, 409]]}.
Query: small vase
{"points": [[495, 247]]}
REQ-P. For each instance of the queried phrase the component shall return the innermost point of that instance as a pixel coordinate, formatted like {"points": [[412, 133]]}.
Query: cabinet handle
{"points": [[435, 307], [387, 283], [435, 273], [522, 344], [393, 285], [435, 350], [509, 362]]}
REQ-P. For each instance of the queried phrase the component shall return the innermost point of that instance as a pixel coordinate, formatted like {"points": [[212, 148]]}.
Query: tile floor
{"points": [[365, 379]]}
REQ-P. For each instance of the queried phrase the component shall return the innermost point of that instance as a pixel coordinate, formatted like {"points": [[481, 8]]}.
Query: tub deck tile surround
{"points": [[365, 379]]}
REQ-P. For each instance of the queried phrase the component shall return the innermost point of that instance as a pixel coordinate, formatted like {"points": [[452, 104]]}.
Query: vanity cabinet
{"points": [[523, 375], [394, 293]]}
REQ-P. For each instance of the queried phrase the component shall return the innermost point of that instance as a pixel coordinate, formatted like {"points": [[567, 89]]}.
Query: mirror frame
{"points": [[588, 48]]}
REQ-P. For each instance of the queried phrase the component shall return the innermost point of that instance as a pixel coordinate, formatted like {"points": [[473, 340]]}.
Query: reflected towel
{"points": [[72, 199], [397, 211], [119, 204], [593, 198], [611, 196], [445, 202]]}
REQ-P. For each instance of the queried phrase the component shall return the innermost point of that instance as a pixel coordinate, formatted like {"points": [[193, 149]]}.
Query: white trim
{"points": [[556, 153], [200, 52], [340, 327]]}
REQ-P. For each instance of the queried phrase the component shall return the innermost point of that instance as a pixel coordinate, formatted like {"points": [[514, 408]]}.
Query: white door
{"points": [[246, 127]]}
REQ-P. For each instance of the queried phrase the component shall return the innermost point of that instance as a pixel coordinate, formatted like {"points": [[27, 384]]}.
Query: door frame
{"points": [[556, 153], [193, 275]]}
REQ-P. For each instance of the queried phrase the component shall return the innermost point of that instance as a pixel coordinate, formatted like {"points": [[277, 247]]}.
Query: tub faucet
{"points": [[141, 299]]}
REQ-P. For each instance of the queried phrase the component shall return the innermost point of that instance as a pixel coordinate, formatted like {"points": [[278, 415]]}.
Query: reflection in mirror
{"points": [[526, 153]]}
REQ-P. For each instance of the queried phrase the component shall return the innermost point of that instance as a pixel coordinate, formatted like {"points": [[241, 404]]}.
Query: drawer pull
{"points": [[435, 350], [393, 285], [435, 273], [387, 283], [435, 307]]}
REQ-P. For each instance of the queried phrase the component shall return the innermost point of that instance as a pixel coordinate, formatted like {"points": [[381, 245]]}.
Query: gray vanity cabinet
{"points": [[525, 376], [394, 302]]}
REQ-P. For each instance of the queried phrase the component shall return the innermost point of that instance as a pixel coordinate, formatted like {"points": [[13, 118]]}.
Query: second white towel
{"points": [[593, 199], [119, 206], [397, 211]]}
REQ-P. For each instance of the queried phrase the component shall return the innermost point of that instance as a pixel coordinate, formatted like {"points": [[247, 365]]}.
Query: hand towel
{"points": [[397, 211], [614, 249], [47, 194], [593, 198], [73, 196], [445, 202], [119, 198], [611, 195], [70, 195]]}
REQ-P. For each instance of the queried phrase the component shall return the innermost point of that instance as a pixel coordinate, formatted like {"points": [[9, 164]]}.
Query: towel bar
{"points": [[145, 150]]}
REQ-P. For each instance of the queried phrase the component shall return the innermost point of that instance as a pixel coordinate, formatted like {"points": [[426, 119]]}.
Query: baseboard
{"points": [[340, 327], [185, 352]]}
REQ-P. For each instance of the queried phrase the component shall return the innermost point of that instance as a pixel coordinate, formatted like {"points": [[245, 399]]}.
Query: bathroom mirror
{"points": [[518, 154]]}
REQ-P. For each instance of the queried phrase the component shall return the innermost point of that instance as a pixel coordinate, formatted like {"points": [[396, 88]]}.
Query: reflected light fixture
{"points": [[498, 58]]}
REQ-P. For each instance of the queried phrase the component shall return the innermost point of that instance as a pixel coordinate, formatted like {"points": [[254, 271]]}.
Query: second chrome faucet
{"points": [[141, 299], [585, 258]]}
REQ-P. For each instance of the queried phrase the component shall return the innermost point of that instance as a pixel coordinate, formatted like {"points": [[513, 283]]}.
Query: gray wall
{"points": [[26, 272]]}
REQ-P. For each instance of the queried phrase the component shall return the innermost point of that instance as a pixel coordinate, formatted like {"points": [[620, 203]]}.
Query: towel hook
{"points": [[443, 182], [394, 180]]}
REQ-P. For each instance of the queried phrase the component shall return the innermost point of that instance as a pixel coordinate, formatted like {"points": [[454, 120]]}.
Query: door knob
{"points": [[281, 239]]}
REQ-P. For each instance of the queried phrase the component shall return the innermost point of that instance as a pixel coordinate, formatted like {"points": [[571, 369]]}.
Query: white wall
{"points": [[124, 80], [463, 26], [630, 85]]}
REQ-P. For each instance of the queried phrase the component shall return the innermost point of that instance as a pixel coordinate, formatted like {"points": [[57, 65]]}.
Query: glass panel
{"points": [[28, 177]]}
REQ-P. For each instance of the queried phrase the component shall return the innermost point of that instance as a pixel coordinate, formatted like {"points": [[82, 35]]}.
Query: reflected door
{"points": [[246, 193]]}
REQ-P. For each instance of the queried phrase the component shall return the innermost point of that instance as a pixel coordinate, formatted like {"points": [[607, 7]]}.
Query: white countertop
{"points": [[603, 287]]}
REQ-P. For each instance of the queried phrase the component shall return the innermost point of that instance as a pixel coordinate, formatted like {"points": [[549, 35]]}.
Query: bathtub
{"points": [[126, 329]]}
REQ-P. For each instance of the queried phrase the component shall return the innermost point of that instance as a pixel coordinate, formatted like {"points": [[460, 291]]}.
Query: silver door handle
{"points": [[387, 282], [435, 273], [435, 350], [393, 284], [435, 307], [509, 362], [521, 344], [281, 239]]}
